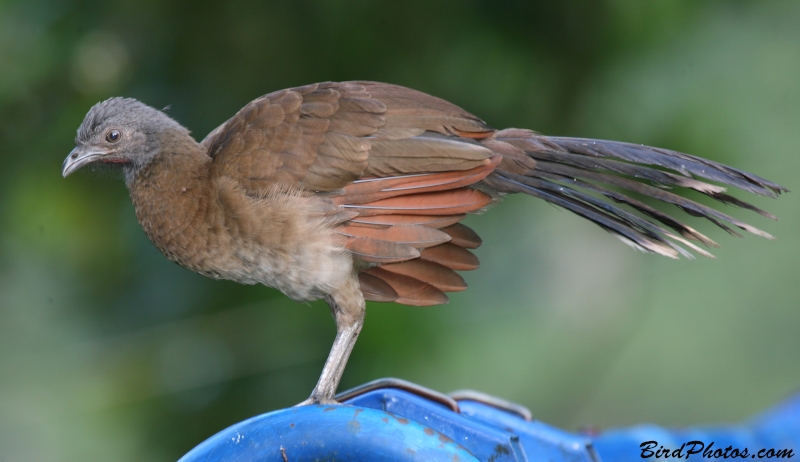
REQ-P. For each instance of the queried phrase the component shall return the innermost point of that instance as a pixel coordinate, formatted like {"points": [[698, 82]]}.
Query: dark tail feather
{"points": [[689, 206], [684, 230], [564, 164], [683, 163], [607, 221]]}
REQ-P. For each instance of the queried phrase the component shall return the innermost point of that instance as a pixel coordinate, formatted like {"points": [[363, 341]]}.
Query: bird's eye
{"points": [[113, 136]]}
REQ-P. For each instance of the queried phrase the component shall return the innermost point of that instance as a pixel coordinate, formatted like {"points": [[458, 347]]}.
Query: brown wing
{"points": [[322, 137], [399, 160]]}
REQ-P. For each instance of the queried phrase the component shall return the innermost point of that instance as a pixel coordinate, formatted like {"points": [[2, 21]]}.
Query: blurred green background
{"points": [[110, 352]]}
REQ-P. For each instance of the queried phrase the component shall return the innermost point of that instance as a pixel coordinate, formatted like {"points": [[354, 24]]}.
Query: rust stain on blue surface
{"points": [[354, 427], [501, 450]]}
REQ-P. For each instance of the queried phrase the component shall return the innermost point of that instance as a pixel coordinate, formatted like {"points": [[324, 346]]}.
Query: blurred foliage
{"points": [[110, 352]]}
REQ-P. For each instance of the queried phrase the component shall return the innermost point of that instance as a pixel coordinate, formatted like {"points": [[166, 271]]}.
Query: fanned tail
{"points": [[578, 174]]}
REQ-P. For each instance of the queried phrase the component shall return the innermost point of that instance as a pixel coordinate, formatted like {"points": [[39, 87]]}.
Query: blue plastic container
{"points": [[394, 420]]}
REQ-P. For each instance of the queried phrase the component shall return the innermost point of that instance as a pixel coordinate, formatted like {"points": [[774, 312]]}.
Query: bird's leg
{"points": [[334, 367], [349, 315]]}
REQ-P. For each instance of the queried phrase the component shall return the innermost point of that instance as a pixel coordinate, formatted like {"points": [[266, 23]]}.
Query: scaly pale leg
{"points": [[349, 319]]}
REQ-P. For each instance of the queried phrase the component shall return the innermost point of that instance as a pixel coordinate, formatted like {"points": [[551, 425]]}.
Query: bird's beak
{"points": [[77, 158]]}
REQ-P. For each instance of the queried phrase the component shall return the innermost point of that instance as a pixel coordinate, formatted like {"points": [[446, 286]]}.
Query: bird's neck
{"points": [[171, 152], [170, 193]]}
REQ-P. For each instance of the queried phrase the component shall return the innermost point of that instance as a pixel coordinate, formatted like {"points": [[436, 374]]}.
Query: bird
{"points": [[355, 191]]}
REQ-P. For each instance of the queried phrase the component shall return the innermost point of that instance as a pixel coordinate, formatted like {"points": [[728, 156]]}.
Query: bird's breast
{"points": [[217, 230]]}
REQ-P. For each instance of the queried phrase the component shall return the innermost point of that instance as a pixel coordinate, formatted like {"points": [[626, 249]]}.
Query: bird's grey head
{"points": [[119, 131]]}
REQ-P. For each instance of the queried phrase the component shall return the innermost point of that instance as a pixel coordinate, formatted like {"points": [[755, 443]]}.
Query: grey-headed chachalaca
{"points": [[354, 191]]}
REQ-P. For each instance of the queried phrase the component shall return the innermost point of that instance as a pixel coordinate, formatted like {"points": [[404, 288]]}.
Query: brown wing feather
{"points": [[410, 291], [380, 251], [452, 202], [463, 236], [451, 256], [418, 236], [376, 289], [433, 221], [439, 276]]}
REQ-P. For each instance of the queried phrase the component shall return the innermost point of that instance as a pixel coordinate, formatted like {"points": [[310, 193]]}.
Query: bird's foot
{"points": [[314, 399]]}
